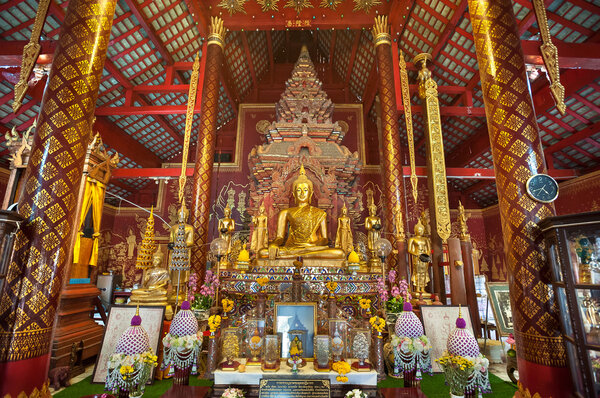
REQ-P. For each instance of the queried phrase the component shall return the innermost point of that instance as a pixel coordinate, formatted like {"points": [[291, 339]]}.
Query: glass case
{"points": [[338, 330], [573, 250], [271, 354], [322, 362], [230, 348], [361, 344], [254, 333]]}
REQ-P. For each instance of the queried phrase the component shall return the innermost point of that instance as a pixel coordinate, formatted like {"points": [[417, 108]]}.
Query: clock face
{"points": [[543, 188]]}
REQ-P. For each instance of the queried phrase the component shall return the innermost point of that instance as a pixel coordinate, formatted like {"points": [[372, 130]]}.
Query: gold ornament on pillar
{"points": [[189, 119], [462, 223], [381, 34], [31, 51], [217, 32], [550, 56], [428, 93], [414, 181]]}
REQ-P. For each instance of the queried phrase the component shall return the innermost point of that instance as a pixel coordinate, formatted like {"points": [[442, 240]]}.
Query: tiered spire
{"points": [[180, 258], [148, 246]]}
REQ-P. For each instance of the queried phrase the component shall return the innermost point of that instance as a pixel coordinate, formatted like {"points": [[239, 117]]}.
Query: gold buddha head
{"points": [[419, 229], [227, 211], [302, 187], [158, 259], [372, 210], [261, 209], [344, 210], [183, 213]]}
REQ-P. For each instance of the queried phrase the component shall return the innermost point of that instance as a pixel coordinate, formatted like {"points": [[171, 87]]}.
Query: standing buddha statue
{"points": [[260, 235], [343, 238], [419, 248], [226, 229], [373, 226]]}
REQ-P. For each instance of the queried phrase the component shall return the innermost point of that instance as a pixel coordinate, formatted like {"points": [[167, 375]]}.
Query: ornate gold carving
{"points": [[525, 393], [399, 223], [330, 3], [365, 5], [428, 93], [189, 119], [298, 5], [19, 146], [233, 6], [381, 33], [268, 5], [217, 32], [31, 51], [414, 181], [462, 223], [550, 56], [44, 392]]}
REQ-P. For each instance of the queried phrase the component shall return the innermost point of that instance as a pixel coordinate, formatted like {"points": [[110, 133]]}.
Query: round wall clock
{"points": [[542, 187]]}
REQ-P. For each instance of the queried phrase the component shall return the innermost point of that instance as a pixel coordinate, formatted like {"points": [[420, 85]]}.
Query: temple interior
{"points": [[300, 198]]}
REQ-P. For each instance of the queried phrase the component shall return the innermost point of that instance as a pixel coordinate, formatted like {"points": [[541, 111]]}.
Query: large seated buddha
{"points": [[306, 229]]}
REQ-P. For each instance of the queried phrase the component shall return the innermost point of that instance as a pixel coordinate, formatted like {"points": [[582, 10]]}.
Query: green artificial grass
{"points": [[433, 386]]}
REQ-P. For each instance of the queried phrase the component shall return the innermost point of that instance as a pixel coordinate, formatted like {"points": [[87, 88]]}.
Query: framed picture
{"points": [[119, 319], [439, 321], [295, 319], [500, 302]]}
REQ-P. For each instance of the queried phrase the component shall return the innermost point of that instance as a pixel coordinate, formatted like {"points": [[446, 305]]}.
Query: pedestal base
{"points": [[229, 367], [358, 367]]}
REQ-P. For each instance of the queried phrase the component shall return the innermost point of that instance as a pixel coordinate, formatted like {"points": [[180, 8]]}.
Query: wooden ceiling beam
{"points": [[351, 61], [200, 16], [250, 64], [450, 28], [573, 139]]}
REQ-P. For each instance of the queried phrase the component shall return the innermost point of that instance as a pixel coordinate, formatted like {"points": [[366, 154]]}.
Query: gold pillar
{"points": [[205, 153], [518, 154], [439, 209], [395, 214], [35, 277]]}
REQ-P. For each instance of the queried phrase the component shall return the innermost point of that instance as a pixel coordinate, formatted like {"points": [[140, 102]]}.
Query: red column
{"points": [[392, 153], [35, 277], [518, 154], [205, 153]]}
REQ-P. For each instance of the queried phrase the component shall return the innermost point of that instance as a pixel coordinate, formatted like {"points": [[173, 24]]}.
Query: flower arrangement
{"points": [[465, 373], [382, 290], [412, 345], [399, 293], [262, 282], [130, 372], [201, 298], [378, 324], [356, 393], [227, 305], [342, 367], [233, 393], [365, 304], [214, 321], [331, 286]]}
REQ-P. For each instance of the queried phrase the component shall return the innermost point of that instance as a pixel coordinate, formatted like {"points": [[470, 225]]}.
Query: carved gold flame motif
{"points": [[414, 181]]}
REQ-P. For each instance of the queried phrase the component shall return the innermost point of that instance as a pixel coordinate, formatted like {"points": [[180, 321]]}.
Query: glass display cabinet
{"points": [[338, 330], [573, 250], [230, 348], [322, 362], [254, 333], [271, 353]]}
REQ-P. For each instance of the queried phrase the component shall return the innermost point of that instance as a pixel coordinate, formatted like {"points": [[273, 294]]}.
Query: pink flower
{"points": [[392, 276], [395, 291]]}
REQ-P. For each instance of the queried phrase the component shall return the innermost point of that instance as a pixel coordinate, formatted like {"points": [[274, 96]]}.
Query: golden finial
{"points": [[137, 310], [217, 32], [381, 34], [459, 311]]}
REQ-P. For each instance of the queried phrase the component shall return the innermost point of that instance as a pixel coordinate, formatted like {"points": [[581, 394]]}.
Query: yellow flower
{"points": [[364, 303], [213, 322], [262, 281], [331, 286], [227, 305]]}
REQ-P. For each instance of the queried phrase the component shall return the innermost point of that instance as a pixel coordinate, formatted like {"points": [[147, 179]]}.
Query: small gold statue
{"points": [[373, 226], [343, 238], [227, 227], [176, 277], [296, 347], [420, 249], [260, 235], [305, 227], [399, 223], [462, 223], [154, 286]]}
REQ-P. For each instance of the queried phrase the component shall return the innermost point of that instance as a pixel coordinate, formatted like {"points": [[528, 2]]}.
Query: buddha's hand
{"points": [[273, 251]]}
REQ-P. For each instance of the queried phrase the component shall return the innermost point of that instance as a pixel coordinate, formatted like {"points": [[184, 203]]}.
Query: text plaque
{"points": [[298, 388]]}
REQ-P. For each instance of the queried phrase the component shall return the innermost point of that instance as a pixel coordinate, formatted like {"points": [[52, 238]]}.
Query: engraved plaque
{"points": [[280, 388]]}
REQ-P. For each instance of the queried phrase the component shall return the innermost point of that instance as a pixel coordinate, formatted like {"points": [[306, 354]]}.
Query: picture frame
{"points": [[439, 321], [290, 316], [119, 319], [499, 297]]}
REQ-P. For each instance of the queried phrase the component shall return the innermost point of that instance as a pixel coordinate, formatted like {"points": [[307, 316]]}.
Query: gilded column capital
{"points": [[217, 32], [381, 34]]}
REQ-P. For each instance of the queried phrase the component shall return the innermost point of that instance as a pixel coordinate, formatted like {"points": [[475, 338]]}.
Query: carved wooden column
{"points": [[518, 154], [35, 277], [395, 214], [205, 153], [439, 210]]}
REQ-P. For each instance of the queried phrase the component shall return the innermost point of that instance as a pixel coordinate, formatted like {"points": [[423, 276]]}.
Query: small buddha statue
{"points": [[260, 235], [373, 226], [343, 238], [305, 227], [419, 248], [227, 227], [154, 286], [182, 217], [297, 344], [462, 223]]}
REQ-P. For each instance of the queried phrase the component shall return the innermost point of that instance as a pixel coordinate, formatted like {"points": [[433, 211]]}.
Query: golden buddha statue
{"points": [[260, 235], [177, 278], [462, 223], [373, 226], [418, 247], [154, 286], [343, 238], [306, 228], [226, 228]]}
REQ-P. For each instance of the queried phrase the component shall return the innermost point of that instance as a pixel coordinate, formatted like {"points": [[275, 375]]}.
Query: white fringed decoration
{"points": [[181, 352]]}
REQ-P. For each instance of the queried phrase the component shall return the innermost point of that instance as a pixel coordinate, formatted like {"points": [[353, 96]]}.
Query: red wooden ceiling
{"points": [[141, 106]]}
